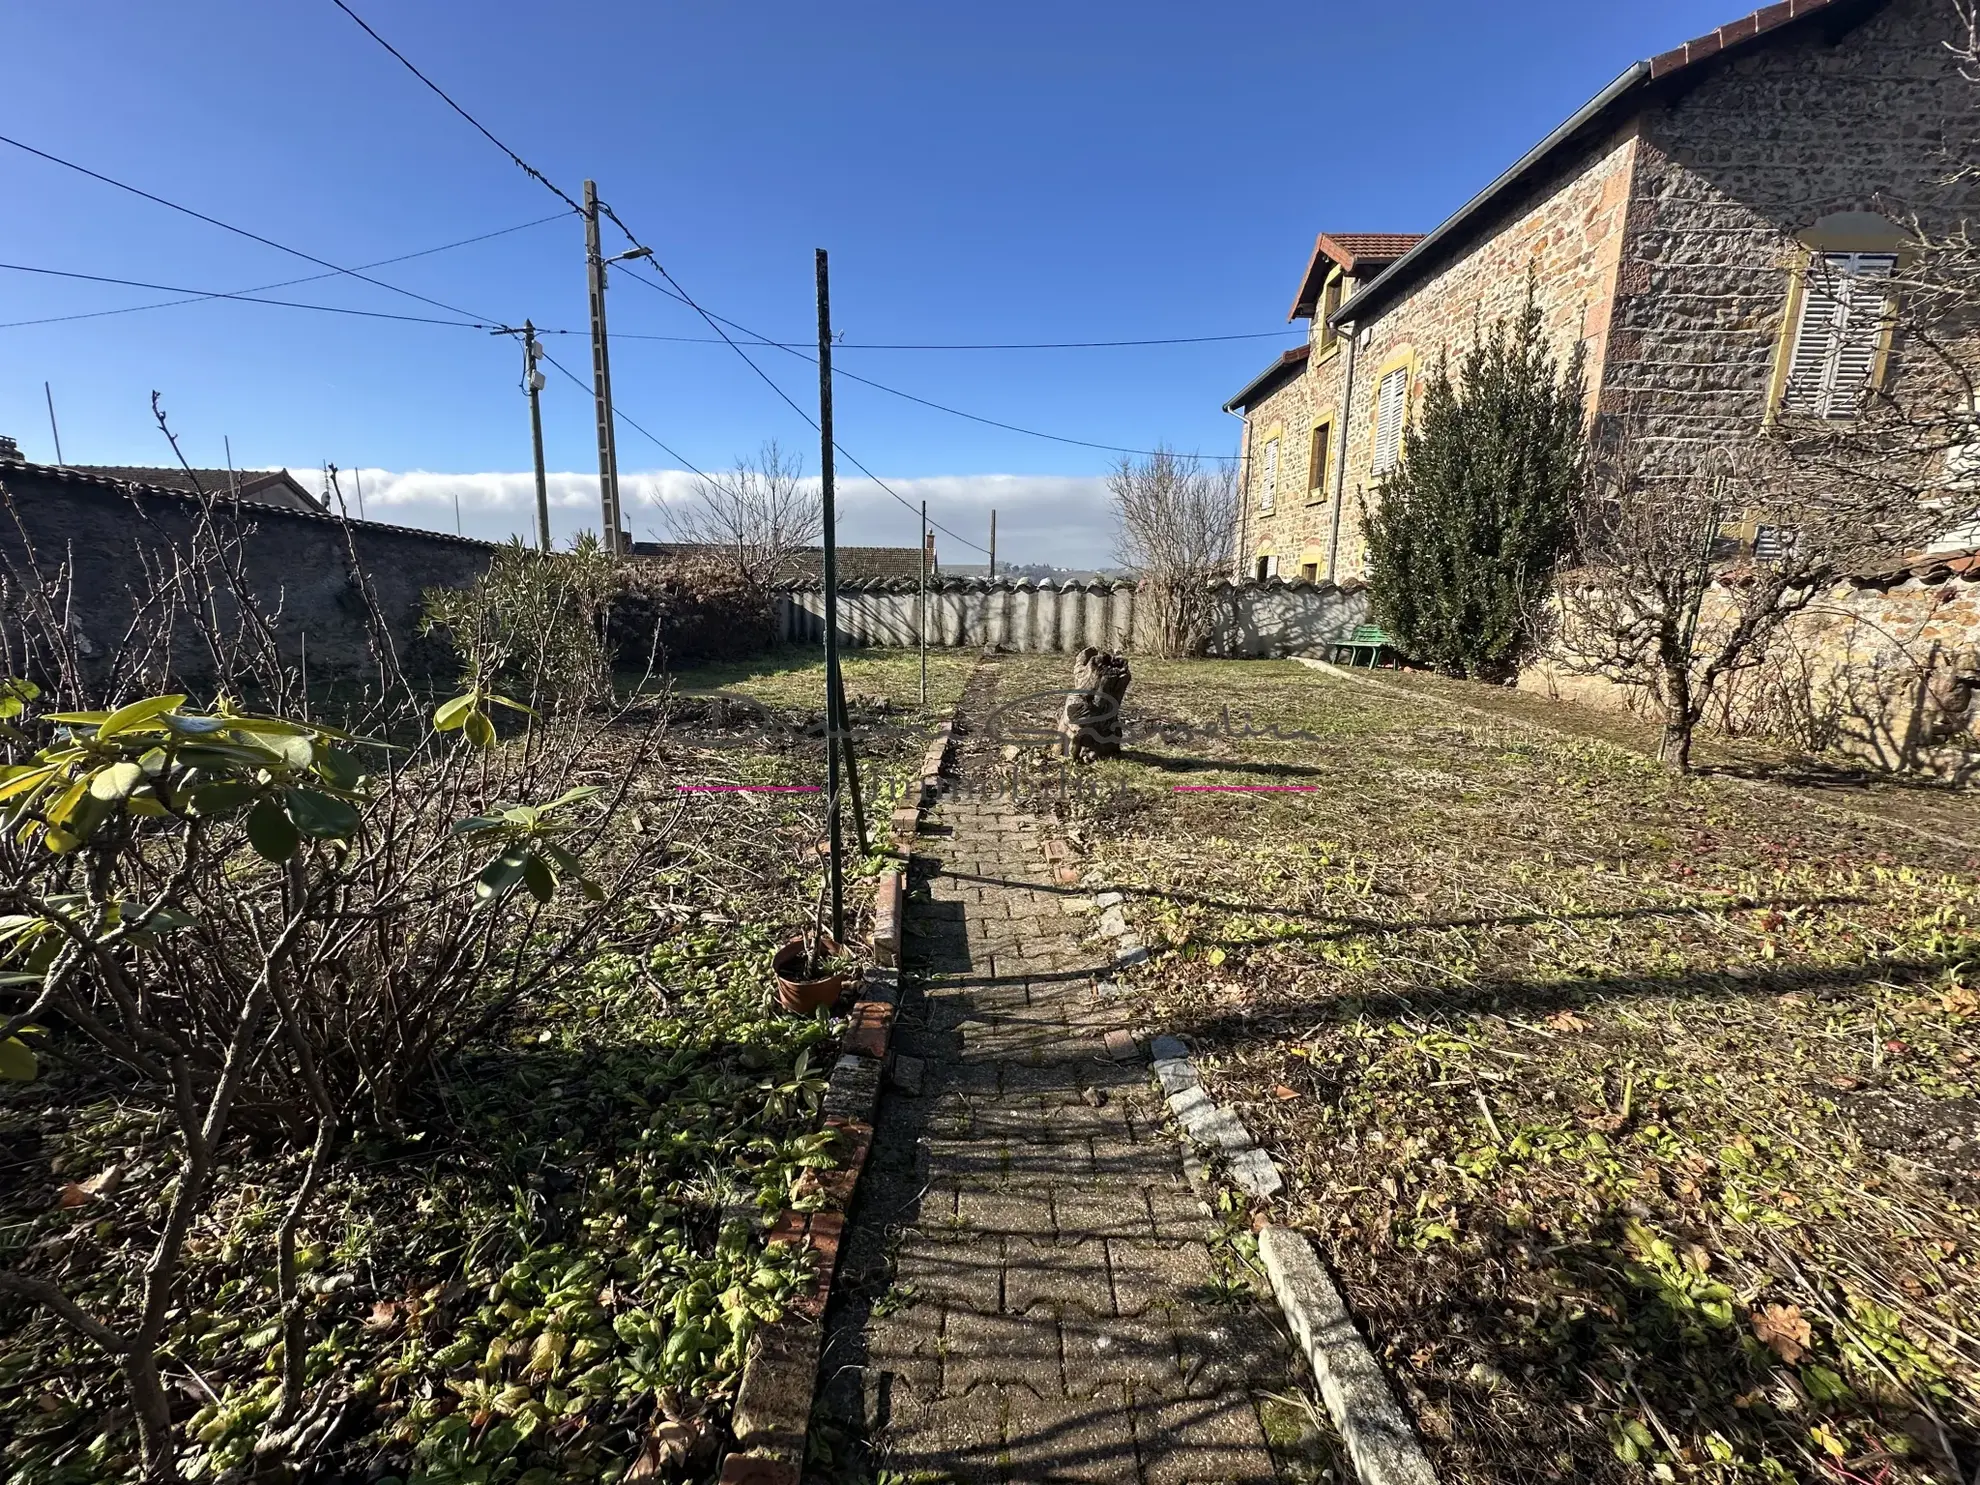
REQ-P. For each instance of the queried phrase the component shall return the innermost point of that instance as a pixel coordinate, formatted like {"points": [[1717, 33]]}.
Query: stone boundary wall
{"points": [[316, 577], [1886, 671], [1259, 620]]}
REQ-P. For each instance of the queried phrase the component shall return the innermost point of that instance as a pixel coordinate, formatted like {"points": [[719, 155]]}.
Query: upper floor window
{"points": [[1268, 476], [1391, 404], [1839, 334], [1318, 458], [1330, 300]]}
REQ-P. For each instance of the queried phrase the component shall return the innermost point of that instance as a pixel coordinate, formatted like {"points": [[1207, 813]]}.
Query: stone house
{"points": [[1710, 229]]}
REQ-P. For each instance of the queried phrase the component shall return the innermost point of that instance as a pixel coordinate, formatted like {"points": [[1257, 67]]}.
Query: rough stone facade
{"points": [[1664, 234], [1736, 178], [322, 582]]}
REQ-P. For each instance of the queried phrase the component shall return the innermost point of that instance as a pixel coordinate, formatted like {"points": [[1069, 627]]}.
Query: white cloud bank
{"points": [[1065, 520]]}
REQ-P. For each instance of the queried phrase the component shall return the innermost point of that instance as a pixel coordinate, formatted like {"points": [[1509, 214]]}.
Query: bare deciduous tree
{"points": [[764, 511], [1177, 522]]}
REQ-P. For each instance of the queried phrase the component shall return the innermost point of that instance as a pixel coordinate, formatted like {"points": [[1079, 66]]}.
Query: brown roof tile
{"points": [[1353, 252]]}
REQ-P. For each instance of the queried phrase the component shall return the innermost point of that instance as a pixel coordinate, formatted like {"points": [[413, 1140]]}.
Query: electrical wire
{"points": [[591, 391], [200, 298], [204, 294], [717, 321], [1003, 345], [527, 169], [239, 231]]}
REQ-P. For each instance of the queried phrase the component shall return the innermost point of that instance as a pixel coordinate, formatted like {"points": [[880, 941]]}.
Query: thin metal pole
{"points": [[533, 380], [601, 372], [833, 721], [993, 544], [57, 432], [921, 617]]}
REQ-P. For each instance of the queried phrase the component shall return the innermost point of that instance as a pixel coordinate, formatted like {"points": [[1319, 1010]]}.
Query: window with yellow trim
{"points": [[1330, 300], [1319, 460], [1391, 411], [1268, 477], [1839, 329]]}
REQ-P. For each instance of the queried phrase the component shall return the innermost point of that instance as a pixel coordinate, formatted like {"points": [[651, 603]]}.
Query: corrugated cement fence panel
{"points": [[1255, 620]]}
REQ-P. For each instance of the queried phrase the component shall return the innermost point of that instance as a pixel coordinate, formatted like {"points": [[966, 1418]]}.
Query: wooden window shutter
{"points": [[1391, 402], [1269, 476], [1843, 307], [1316, 472]]}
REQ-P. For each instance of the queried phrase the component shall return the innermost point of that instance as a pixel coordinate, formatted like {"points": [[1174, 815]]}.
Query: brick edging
{"points": [[780, 1373]]}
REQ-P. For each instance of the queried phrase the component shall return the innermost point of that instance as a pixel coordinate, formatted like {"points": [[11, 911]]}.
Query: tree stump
{"points": [[1090, 725]]}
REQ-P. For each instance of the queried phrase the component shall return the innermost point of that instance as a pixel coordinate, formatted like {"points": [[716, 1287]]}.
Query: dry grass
{"points": [[1639, 1116]]}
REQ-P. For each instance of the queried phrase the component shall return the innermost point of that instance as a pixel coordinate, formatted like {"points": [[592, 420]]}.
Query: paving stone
{"points": [[1010, 1211], [959, 1274], [1150, 1275], [1083, 1212], [1000, 1349], [1108, 1351], [1053, 1438], [1203, 1441], [1166, 1047], [1065, 1276], [960, 1439]]}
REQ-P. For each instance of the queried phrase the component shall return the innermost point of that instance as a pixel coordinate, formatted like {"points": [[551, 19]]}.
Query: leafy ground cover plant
{"points": [[1639, 1116]]}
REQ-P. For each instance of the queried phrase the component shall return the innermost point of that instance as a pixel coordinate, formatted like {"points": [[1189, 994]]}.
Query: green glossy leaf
{"points": [[15, 694], [23, 779], [539, 878], [452, 715], [223, 797], [320, 815], [499, 875], [18, 1063], [339, 769], [138, 712], [479, 730], [512, 704], [476, 823], [271, 833], [117, 781]]}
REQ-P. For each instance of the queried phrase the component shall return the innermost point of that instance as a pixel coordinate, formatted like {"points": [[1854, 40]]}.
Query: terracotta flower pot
{"points": [[799, 996]]}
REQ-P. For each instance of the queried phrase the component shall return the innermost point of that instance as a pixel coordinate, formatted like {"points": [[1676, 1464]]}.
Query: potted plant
{"points": [[811, 973]]}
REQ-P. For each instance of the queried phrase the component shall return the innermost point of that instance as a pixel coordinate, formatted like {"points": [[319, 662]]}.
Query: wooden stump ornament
{"points": [[1090, 725]]}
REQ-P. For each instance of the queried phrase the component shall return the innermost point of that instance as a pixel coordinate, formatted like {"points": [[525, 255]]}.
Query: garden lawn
{"points": [[1638, 1116], [793, 677]]}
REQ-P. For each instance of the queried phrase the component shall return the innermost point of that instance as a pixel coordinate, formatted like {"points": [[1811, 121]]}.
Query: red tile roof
{"points": [[1354, 252], [1743, 29]]}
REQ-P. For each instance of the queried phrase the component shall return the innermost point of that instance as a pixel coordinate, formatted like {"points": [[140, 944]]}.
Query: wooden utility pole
{"points": [[832, 717], [993, 545], [601, 372], [921, 621], [533, 384]]}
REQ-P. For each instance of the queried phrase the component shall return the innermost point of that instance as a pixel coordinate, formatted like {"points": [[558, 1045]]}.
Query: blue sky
{"points": [[1071, 171]]}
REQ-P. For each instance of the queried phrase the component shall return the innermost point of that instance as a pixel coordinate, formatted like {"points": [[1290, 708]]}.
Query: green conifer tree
{"points": [[1468, 528]]}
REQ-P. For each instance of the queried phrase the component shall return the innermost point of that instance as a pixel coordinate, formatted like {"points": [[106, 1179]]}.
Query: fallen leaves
{"points": [[1783, 1330], [104, 1183], [1567, 1021]]}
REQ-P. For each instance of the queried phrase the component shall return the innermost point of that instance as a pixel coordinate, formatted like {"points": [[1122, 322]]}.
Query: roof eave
{"points": [[1287, 364], [1636, 75]]}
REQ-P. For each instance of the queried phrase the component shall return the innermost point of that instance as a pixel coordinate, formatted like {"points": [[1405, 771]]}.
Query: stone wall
{"points": [[301, 570], [1887, 672], [1259, 620], [1769, 144]]}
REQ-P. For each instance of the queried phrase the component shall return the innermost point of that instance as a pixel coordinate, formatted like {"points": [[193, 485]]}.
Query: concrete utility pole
{"points": [[533, 384], [601, 372], [832, 716], [921, 619], [993, 544]]}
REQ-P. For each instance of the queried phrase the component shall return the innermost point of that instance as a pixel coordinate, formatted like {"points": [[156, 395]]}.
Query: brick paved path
{"points": [[1034, 1293]]}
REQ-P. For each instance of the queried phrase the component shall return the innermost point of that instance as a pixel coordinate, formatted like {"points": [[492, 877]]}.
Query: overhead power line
{"points": [[527, 169], [1001, 345], [287, 283], [238, 231], [200, 294], [617, 412], [716, 322]]}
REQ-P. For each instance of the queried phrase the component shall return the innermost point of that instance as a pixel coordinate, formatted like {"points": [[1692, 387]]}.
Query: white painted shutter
{"points": [[1269, 476], [1843, 307], [1391, 401]]}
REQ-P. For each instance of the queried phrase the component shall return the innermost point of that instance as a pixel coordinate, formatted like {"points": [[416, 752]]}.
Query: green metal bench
{"points": [[1367, 639]]}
